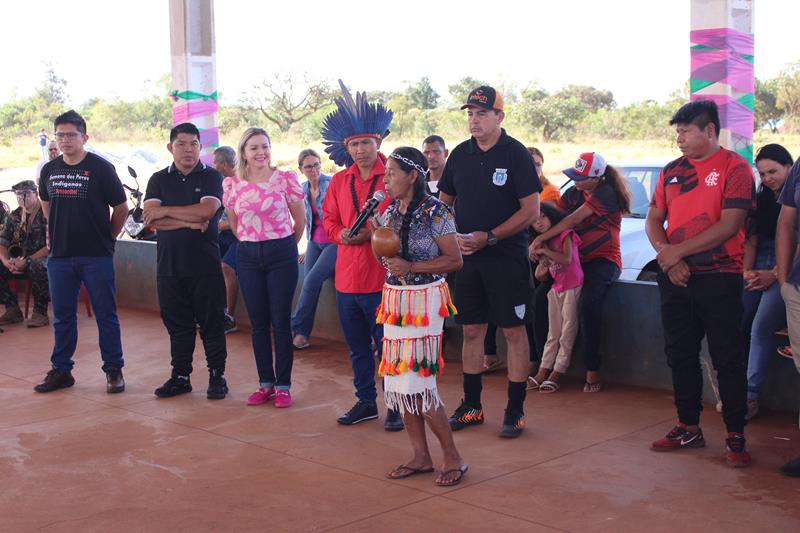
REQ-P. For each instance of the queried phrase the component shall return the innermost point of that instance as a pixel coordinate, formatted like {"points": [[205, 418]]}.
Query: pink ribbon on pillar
{"points": [[738, 117], [186, 112]]}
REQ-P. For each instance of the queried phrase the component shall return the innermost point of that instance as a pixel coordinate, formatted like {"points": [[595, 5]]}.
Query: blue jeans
{"points": [[267, 273], [764, 314], [65, 275], [319, 266], [357, 315]]}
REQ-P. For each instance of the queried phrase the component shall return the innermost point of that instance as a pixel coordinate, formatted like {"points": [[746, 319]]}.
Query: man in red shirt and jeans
{"points": [[353, 134], [704, 198]]}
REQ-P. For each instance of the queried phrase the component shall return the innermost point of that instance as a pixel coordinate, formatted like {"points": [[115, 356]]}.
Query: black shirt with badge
{"points": [[487, 187], [187, 252], [79, 198]]}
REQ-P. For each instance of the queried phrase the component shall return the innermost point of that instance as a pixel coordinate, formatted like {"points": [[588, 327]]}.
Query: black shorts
{"points": [[494, 289]]}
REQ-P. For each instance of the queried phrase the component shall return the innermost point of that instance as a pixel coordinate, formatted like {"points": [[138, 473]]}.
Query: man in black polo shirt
{"points": [[183, 203], [493, 182]]}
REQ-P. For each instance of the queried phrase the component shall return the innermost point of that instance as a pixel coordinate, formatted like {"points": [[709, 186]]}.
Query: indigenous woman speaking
{"points": [[414, 304]]}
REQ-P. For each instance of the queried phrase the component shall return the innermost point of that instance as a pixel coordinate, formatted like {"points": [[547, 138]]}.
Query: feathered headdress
{"points": [[356, 118]]}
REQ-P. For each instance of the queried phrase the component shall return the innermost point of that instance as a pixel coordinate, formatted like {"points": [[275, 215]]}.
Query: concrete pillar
{"points": [[722, 67], [194, 72]]}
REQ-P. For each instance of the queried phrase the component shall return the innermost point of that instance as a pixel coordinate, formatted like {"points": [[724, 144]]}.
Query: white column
{"points": [[194, 73], [722, 67]]}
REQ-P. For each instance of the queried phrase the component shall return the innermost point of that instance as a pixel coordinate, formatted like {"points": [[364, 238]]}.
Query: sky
{"points": [[638, 49]]}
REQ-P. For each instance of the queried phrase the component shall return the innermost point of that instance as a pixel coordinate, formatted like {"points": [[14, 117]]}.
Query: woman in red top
{"points": [[595, 206]]}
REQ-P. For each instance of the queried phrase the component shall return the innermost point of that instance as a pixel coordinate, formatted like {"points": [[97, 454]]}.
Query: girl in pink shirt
{"points": [[559, 259], [266, 212]]}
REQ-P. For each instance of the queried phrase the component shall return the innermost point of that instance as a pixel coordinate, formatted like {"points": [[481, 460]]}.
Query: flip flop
{"points": [[785, 351], [411, 472], [548, 387], [462, 469], [302, 346], [592, 387], [532, 383]]}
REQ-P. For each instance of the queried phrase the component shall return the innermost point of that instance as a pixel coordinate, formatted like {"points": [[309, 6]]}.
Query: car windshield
{"points": [[642, 185]]}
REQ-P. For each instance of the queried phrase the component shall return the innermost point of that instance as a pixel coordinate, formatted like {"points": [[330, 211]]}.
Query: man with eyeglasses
{"points": [[23, 255], [77, 189], [52, 153]]}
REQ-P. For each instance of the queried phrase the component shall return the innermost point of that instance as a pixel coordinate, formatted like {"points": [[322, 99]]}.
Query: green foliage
{"points": [[591, 99], [460, 91], [766, 105], [551, 114], [421, 95], [787, 91]]}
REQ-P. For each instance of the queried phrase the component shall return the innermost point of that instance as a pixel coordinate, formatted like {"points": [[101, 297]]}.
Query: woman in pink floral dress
{"points": [[266, 212]]}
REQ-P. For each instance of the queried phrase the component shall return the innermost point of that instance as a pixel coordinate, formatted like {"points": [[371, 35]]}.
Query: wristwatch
{"points": [[491, 239]]}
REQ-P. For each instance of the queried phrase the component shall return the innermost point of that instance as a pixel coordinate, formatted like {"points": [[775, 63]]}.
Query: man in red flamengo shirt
{"points": [[704, 198], [359, 277]]}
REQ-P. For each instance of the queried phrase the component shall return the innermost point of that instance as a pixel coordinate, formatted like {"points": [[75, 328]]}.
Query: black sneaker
{"points": [[230, 324], [54, 380], [513, 424], [464, 416], [360, 412], [394, 421], [174, 386], [114, 381], [217, 386], [792, 468]]}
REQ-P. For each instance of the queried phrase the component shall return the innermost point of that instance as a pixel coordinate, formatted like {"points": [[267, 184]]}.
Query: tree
{"points": [[551, 113], [422, 95], [284, 103], [592, 99], [460, 91], [766, 106], [787, 91], [53, 90]]}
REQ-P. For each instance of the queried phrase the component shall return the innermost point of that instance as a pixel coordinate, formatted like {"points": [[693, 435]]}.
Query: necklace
{"points": [[355, 196]]}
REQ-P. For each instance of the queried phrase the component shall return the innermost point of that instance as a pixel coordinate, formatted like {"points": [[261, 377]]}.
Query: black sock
{"points": [[516, 396], [472, 390]]}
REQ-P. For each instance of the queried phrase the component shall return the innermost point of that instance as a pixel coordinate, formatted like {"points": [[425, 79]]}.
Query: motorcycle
{"points": [[134, 224]]}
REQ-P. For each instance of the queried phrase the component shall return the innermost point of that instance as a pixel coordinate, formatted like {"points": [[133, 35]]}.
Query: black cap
{"points": [[24, 185], [485, 97]]}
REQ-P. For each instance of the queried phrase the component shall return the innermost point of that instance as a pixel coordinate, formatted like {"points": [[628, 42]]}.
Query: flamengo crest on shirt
{"points": [[500, 176], [712, 179]]}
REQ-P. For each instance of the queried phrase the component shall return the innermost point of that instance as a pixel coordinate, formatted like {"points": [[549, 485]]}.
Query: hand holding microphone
{"points": [[372, 204]]}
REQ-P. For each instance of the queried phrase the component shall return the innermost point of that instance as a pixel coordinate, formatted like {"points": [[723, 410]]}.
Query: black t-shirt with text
{"points": [[80, 196], [187, 252], [487, 187]]}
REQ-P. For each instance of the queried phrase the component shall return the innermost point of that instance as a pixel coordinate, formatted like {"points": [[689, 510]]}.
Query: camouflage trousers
{"points": [[40, 290]]}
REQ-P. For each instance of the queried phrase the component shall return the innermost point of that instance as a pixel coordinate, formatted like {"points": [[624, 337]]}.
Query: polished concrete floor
{"points": [[82, 460]]}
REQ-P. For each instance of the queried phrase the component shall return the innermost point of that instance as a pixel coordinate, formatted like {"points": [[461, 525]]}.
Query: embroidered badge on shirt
{"points": [[519, 310], [500, 176], [712, 178]]}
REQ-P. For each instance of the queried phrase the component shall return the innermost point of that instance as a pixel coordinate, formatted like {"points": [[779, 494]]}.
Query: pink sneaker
{"points": [[261, 396], [283, 398]]}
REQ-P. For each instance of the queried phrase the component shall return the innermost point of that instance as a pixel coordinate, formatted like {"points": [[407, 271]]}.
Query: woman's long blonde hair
{"points": [[241, 162]]}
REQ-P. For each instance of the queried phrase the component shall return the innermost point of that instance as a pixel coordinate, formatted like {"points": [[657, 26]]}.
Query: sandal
{"points": [[410, 471], [452, 483], [592, 387], [302, 345], [532, 383], [548, 387], [785, 351]]}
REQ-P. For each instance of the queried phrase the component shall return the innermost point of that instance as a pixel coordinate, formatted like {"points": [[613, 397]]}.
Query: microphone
{"points": [[376, 199]]}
